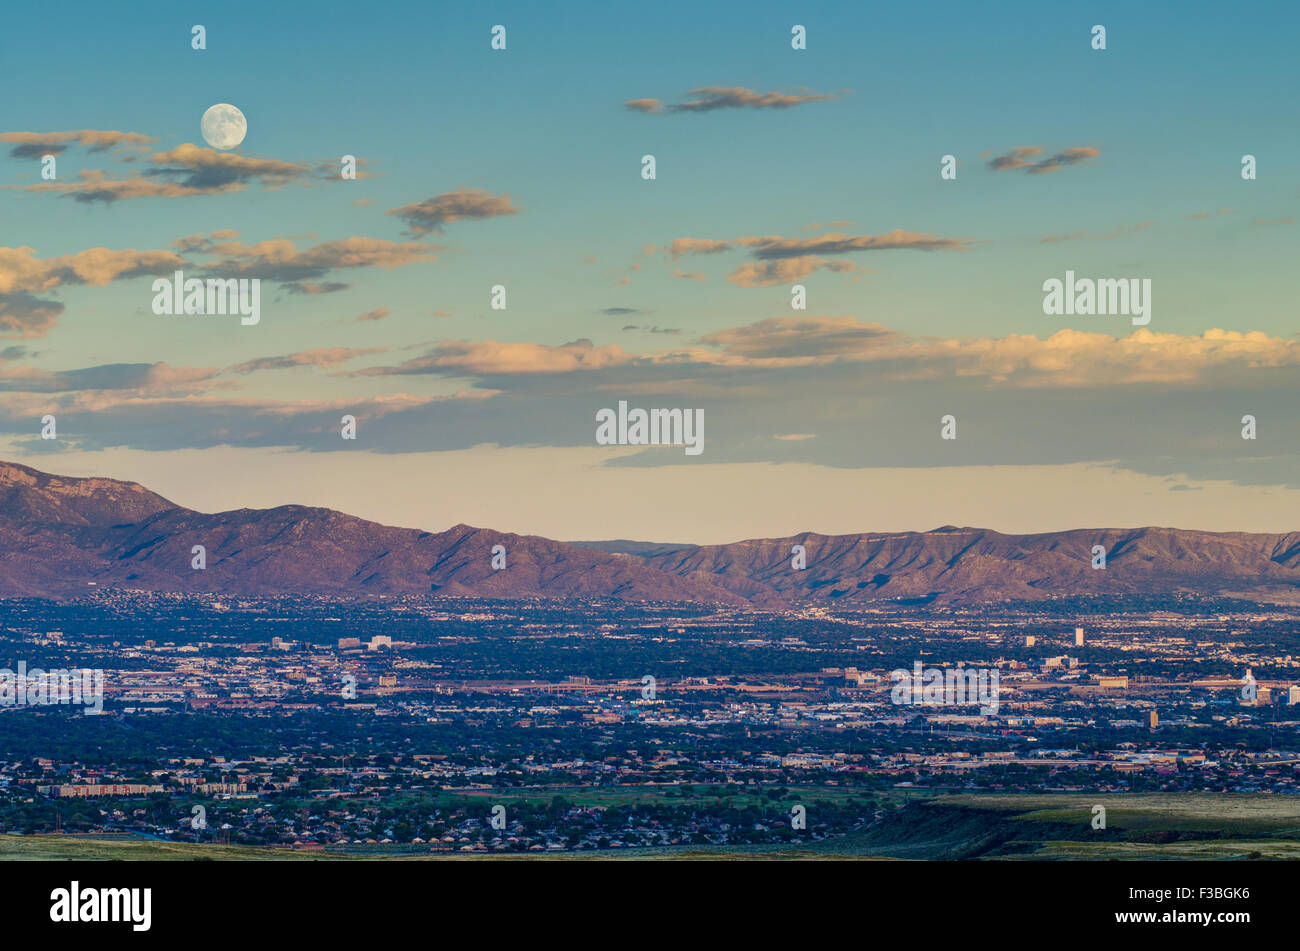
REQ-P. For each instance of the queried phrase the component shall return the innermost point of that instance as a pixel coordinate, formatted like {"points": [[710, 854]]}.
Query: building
{"points": [[1078, 637], [349, 643], [378, 641], [1154, 719], [1030, 640], [83, 790], [212, 789]]}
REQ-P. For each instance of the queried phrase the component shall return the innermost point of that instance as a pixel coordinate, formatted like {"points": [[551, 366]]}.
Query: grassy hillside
{"points": [[917, 827]]}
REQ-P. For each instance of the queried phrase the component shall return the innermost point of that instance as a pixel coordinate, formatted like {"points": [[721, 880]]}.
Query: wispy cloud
{"points": [[490, 358], [318, 357], [131, 380], [23, 275], [784, 270], [430, 215], [711, 98], [1030, 159], [281, 260], [770, 247], [780, 260], [186, 171], [37, 144], [306, 287]]}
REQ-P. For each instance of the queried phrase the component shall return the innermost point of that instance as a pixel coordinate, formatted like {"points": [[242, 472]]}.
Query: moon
{"points": [[224, 126]]}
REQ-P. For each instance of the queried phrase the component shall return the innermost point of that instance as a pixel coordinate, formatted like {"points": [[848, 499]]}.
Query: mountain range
{"points": [[62, 537]]}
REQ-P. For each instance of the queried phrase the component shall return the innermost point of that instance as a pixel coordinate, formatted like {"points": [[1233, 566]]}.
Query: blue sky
{"points": [[856, 382]]}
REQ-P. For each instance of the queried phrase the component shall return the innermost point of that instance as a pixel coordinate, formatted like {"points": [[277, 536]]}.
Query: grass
{"points": [[1011, 827]]}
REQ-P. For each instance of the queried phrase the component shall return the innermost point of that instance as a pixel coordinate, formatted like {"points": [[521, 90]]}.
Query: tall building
{"points": [[1155, 719], [1030, 641], [1078, 637]]}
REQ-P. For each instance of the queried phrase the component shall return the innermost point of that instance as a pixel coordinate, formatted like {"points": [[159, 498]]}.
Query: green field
{"points": [[1049, 827], [915, 825]]}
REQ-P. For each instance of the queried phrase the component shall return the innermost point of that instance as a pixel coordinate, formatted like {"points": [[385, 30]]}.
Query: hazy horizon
{"points": [[397, 519]]}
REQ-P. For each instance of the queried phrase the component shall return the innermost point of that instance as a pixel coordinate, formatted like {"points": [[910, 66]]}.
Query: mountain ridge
{"points": [[61, 536]]}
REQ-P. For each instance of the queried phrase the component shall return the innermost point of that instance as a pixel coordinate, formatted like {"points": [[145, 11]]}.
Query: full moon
{"points": [[224, 126]]}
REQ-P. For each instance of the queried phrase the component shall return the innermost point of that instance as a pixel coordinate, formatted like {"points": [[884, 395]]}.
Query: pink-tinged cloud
{"points": [[185, 171], [204, 242], [22, 271], [711, 98], [22, 315], [490, 357], [782, 260], [679, 246], [1068, 358], [768, 248], [23, 275], [1028, 157], [430, 215], [25, 404], [128, 380], [37, 144], [785, 337], [306, 287], [784, 270], [318, 357], [280, 260]]}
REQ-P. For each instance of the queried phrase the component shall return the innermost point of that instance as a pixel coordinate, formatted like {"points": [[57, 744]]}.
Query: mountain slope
{"points": [[972, 564], [58, 535]]}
